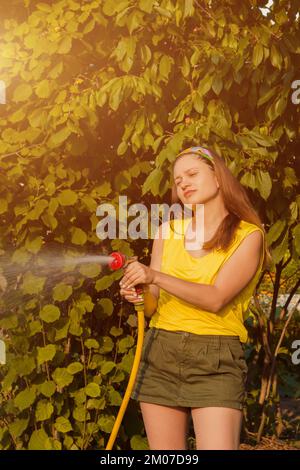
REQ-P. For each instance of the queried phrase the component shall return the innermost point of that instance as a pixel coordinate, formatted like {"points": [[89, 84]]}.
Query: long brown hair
{"points": [[236, 202]]}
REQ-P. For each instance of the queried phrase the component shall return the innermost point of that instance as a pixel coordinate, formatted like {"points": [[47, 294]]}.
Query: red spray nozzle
{"points": [[118, 261]]}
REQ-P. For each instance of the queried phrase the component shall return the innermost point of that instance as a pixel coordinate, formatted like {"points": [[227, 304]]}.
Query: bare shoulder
{"points": [[240, 268]]}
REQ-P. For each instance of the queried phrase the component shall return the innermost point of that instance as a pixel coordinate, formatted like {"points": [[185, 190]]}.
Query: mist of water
{"points": [[55, 267]]}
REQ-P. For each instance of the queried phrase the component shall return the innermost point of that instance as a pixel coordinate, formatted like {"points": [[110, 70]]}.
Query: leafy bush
{"points": [[101, 95]]}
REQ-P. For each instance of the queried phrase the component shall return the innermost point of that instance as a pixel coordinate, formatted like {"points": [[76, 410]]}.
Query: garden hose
{"points": [[120, 261]]}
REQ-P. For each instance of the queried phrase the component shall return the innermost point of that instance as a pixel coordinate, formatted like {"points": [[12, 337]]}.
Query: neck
{"points": [[214, 212]]}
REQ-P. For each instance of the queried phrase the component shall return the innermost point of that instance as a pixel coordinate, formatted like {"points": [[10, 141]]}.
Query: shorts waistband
{"points": [[210, 339]]}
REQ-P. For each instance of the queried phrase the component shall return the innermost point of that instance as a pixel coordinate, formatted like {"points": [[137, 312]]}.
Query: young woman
{"points": [[193, 354]]}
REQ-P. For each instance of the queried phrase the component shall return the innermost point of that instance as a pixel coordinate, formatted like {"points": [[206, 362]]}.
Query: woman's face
{"points": [[195, 181]]}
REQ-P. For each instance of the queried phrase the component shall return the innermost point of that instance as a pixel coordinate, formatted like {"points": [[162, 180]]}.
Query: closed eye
{"points": [[189, 174]]}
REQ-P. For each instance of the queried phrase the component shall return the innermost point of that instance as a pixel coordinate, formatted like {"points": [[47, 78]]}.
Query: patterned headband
{"points": [[203, 152]]}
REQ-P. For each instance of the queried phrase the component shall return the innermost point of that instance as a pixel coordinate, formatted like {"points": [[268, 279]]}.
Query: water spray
{"points": [[114, 261]]}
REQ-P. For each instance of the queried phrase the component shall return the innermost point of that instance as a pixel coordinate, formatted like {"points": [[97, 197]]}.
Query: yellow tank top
{"points": [[175, 314]]}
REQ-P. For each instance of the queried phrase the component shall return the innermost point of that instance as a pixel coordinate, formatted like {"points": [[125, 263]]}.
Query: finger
{"points": [[131, 266], [128, 291], [134, 280], [126, 281]]}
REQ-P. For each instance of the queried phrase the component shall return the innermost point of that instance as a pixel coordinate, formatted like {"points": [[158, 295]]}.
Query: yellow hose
{"points": [[139, 307]]}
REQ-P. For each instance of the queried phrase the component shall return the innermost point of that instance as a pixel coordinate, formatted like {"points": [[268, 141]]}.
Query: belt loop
{"points": [[216, 341], [155, 332]]}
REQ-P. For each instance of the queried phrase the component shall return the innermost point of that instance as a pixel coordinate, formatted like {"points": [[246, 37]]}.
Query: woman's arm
{"points": [[236, 273]]}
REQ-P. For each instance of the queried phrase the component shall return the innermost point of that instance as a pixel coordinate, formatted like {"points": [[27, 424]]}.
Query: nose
{"points": [[184, 184]]}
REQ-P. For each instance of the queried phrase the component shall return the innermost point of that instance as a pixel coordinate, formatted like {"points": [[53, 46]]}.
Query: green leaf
{"points": [[152, 182], [25, 398], [264, 183], [267, 96], [34, 245], [61, 329], [279, 252], [146, 5], [74, 368], [122, 148], [65, 45], [163, 12], [107, 306], [48, 388], [44, 410], [62, 377], [290, 178], [115, 97], [138, 442], [104, 283], [107, 367], [39, 440], [198, 103], [114, 331], [146, 53], [3, 205], [92, 390], [263, 140], [17, 427], [276, 57], [296, 234], [275, 231], [50, 313], [61, 292], [106, 423], [67, 197], [43, 89], [81, 414], [165, 67], [62, 424], [22, 93], [59, 137], [248, 179], [188, 8], [44, 7], [79, 237], [32, 284], [103, 190], [115, 398], [125, 344], [185, 67], [90, 270], [91, 344], [46, 353], [217, 84], [258, 54]]}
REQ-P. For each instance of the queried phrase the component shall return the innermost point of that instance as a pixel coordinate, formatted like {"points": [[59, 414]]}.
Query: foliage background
{"points": [[100, 97]]}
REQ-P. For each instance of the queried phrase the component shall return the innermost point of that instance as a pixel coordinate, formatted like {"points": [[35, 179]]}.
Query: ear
{"points": [[217, 182]]}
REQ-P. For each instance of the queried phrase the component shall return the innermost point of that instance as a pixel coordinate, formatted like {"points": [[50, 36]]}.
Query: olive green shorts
{"points": [[191, 370]]}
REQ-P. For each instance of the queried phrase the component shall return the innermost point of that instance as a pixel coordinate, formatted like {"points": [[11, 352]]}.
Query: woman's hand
{"points": [[131, 295], [137, 273]]}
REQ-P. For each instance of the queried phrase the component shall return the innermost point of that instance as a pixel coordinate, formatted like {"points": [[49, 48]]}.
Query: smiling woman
{"points": [[193, 356]]}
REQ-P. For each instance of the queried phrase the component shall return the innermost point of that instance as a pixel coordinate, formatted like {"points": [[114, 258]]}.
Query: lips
{"points": [[188, 193]]}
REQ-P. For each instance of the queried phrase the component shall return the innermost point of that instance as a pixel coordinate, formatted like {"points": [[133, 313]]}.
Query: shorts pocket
{"points": [[150, 351], [237, 354], [206, 357]]}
